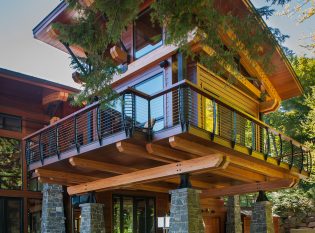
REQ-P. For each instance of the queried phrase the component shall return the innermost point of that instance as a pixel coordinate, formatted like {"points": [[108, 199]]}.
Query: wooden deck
{"points": [[110, 148]]}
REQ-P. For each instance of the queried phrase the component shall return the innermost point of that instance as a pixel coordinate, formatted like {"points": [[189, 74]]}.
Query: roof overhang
{"points": [[283, 77], [19, 77]]}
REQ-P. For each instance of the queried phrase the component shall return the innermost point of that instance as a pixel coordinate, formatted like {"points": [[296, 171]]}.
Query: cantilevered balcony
{"points": [[178, 123]]}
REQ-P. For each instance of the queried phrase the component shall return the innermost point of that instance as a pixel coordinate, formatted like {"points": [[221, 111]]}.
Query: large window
{"points": [[11, 215], [10, 122], [151, 86], [133, 214], [147, 35], [10, 163]]}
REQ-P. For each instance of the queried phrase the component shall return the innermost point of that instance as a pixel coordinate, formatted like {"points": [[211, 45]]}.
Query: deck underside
{"points": [[96, 164]]}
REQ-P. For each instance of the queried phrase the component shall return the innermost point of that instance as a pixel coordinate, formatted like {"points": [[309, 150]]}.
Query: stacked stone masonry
{"points": [[233, 221], [261, 221], [92, 218], [53, 220], [185, 212]]}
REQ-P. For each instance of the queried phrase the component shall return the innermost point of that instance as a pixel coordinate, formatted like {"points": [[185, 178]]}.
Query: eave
{"points": [[4, 73], [283, 77]]}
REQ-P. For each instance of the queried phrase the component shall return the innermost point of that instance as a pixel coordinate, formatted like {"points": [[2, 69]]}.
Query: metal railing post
{"points": [[27, 152], [214, 127], [253, 137], [76, 134], [281, 150], [292, 152], [302, 154], [41, 156], [234, 129], [149, 130], [57, 141], [98, 124], [268, 144]]}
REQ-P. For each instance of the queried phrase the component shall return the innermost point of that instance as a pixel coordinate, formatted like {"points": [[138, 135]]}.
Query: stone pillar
{"points": [[233, 218], [92, 218], [53, 219], [261, 221], [186, 214]]}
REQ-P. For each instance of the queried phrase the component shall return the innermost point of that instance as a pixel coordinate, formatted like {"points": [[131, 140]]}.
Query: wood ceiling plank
{"points": [[100, 166], [139, 151], [249, 188]]}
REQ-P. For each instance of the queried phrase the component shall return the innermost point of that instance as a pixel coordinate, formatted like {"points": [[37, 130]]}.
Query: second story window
{"points": [[9, 122], [147, 35]]}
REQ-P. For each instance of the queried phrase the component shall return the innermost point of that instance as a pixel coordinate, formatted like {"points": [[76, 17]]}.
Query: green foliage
{"points": [[99, 27], [10, 163], [296, 118]]}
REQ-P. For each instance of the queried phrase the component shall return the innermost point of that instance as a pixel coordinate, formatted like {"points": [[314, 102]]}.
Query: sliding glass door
{"points": [[133, 214]]}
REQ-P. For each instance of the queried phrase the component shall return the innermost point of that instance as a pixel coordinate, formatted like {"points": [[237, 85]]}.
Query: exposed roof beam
{"points": [[150, 175]]}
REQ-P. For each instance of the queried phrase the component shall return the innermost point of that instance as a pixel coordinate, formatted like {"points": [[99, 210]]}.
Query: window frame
{"points": [[4, 116], [162, 117], [134, 51]]}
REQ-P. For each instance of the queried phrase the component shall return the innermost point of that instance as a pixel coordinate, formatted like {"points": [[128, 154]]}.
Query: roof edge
{"points": [[276, 44], [50, 17], [35, 80]]}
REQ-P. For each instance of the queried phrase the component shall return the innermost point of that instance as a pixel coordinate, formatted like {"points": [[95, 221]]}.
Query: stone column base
{"points": [[261, 221], [186, 214], [92, 218], [233, 220], [53, 219]]}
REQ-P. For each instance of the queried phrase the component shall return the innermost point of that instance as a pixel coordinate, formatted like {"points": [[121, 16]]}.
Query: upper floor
{"points": [[171, 111]]}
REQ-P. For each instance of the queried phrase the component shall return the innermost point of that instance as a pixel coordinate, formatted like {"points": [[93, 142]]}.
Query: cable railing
{"points": [[183, 104], [192, 106]]}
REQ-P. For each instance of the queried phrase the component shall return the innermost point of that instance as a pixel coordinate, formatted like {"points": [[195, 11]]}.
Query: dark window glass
{"points": [[147, 35], [10, 164], [9, 122], [10, 215], [151, 86], [34, 215], [133, 214]]}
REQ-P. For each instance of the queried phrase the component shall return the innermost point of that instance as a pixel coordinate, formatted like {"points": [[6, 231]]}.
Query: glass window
{"points": [[34, 215], [10, 122], [10, 163], [147, 35], [10, 215], [133, 214], [151, 86]]}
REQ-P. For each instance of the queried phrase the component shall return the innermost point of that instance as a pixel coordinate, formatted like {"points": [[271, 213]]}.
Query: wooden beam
{"points": [[118, 169], [118, 54], [239, 174], [150, 175], [70, 177], [190, 147], [139, 151], [54, 97], [249, 188], [248, 164], [100, 166], [168, 153], [53, 180]]}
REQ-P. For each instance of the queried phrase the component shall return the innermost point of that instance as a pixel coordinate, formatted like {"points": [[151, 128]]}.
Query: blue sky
{"points": [[20, 52]]}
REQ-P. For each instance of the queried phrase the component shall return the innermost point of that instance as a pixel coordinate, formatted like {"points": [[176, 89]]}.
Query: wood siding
{"points": [[221, 88]]}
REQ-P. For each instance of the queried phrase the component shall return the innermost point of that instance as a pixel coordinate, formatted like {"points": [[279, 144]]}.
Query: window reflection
{"points": [[147, 35], [34, 215], [151, 86], [133, 214]]}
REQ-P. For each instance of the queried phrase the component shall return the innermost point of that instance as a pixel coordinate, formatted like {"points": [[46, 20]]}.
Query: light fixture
{"points": [[164, 222]]}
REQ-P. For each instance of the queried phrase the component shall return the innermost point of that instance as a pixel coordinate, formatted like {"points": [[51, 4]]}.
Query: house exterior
{"points": [[177, 139], [27, 104]]}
